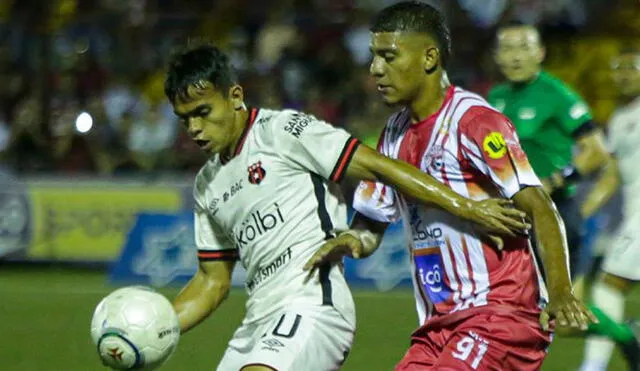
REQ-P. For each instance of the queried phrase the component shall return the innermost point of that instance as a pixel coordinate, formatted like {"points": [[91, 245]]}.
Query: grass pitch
{"points": [[45, 315]]}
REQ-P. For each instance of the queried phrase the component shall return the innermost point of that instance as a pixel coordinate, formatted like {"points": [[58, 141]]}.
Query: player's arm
{"points": [[320, 148], [206, 290], [494, 215], [551, 245], [603, 190], [360, 241], [590, 152]]}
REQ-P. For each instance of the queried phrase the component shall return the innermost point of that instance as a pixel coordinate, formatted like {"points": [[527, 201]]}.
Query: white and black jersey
{"points": [[272, 206]]}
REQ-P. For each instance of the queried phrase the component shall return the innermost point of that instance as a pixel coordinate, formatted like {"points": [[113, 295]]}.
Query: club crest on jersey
{"points": [[434, 159], [256, 173], [494, 145]]}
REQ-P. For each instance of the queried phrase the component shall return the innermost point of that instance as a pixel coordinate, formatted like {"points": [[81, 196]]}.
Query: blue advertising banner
{"points": [[160, 251]]}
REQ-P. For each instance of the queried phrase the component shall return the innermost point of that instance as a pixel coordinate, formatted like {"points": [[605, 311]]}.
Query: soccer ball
{"points": [[135, 328]]}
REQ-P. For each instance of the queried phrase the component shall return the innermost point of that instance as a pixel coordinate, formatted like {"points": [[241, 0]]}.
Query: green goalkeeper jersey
{"points": [[546, 114]]}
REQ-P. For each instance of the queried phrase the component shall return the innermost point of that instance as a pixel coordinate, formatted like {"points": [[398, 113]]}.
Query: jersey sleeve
{"points": [[210, 240], [315, 145], [614, 133], [376, 200], [572, 111], [490, 143]]}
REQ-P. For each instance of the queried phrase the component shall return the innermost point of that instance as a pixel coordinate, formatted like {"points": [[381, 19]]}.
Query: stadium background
{"points": [[95, 175]]}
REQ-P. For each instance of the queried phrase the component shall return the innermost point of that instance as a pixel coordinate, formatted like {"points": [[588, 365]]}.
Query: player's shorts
{"points": [[299, 338], [482, 341], [623, 257]]}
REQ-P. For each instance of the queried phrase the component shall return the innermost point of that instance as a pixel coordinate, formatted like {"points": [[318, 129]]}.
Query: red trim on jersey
{"points": [[252, 118], [345, 157], [253, 113], [227, 254], [467, 258]]}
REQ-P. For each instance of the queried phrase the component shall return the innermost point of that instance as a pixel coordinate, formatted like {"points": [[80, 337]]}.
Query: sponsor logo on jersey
{"points": [[500, 104], [297, 124], [235, 188], [272, 344], [527, 113], [434, 159], [494, 145], [263, 273], [578, 110], [213, 206], [257, 225], [256, 173], [423, 235], [430, 275]]}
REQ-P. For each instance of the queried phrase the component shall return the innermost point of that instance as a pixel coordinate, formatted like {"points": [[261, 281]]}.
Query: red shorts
{"points": [[481, 339]]}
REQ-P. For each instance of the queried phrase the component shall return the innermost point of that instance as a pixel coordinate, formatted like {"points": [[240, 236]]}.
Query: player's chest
{"points": [[245, 189], [433, 150]]}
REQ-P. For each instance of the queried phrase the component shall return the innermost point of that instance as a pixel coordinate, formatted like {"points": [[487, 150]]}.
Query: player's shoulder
{"points": [[205, 177], [281, 122], [477, 113], [553, 84]]}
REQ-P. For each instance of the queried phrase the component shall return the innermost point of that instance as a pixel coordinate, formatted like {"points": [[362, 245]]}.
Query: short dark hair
{"points": [[195, 64], [414, 16]]}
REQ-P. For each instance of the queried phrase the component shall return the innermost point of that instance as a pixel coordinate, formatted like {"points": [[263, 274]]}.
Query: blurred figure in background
{"points": [[560, 139], [620, 270]]}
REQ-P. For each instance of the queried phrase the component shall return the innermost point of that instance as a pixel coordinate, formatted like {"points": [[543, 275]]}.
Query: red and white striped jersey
{"points": [[473, 149]]}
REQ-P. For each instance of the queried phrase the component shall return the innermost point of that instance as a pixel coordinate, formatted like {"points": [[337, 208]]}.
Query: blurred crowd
{"points": [[82, 80]]}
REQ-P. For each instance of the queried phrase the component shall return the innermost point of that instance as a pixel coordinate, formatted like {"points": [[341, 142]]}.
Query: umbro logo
{"points": [[273, 343]]}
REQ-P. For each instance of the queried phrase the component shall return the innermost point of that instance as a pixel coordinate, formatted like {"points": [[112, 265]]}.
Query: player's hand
{"points": [[333, 251], [567, 311], [499, 216]]}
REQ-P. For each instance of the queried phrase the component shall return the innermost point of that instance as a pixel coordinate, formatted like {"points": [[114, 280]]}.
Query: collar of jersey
{"points": [[253, 113], [448, 96]]}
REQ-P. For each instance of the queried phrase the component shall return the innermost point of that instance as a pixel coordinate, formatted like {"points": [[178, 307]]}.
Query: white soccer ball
{"points": [[135, 328]]}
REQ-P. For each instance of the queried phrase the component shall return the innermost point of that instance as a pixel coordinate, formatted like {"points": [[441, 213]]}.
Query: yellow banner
{"points": [[89, 224]]}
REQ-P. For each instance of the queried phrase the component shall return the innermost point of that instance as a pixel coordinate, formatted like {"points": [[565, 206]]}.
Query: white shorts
{"points": [[623, 257], [299, 338]]}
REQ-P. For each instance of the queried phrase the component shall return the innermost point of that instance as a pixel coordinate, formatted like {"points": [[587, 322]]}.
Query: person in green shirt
{"points": [[562, 143]]}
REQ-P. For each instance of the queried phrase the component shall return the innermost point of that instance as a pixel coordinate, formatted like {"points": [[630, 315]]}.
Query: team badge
{"points": [[256, 173], [495, 145]]}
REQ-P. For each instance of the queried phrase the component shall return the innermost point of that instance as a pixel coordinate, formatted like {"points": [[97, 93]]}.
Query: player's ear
{"points": [[236, 95], [431, 59], [542, 53]]}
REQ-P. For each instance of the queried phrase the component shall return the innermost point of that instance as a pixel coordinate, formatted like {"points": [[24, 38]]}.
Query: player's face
{"points": [[519, 53], [210, 116], [626, 74], [398, 65]]}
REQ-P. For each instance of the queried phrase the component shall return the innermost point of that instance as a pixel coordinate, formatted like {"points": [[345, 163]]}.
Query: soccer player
{"points": [[620, 270], [479, 308], [561, 141], [266, 198]]}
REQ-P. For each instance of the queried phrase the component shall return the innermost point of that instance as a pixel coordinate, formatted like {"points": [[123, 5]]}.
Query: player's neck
{"points": [[429, 102], [241, 122]]}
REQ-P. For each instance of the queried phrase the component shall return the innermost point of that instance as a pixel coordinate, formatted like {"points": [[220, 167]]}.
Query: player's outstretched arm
{"points": [[204, 293], [360, 241], [552, 248], [496, 216], [602, 191]]}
